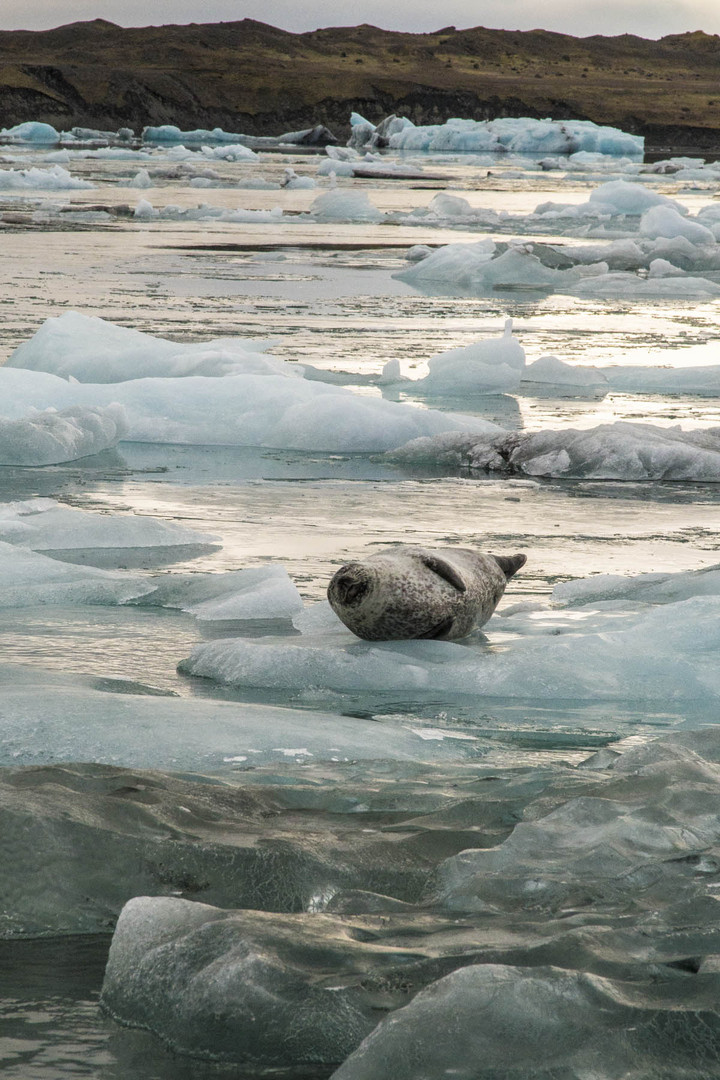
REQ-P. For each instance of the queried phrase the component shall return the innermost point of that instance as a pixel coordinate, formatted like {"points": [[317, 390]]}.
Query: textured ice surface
{"points": [[53, 179], [271, 409], [663, 654], [46, 525], [234, 985], [93, 350], [31, 131], [619, 451], [519, 136], [578, 929], [27, 577], [345, 206], [499, 1022], [45, 438], [550, 371], [260, 593], [656, 588], [490, 366]]}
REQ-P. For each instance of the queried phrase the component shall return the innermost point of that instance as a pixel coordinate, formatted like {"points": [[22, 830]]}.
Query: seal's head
{"points": [[350, 586]]}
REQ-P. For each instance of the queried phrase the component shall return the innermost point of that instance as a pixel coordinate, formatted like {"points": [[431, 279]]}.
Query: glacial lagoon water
{"points": [[374, 783]]}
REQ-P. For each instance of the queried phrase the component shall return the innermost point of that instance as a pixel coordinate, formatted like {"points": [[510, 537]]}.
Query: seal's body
{"points": [[416, 592]]}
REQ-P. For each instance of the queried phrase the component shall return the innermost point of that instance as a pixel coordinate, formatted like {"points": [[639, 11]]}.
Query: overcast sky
{"points": [[648, 18]]}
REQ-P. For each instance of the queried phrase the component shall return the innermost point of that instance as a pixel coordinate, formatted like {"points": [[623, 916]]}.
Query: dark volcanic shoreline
{"points": [[252, 78]]}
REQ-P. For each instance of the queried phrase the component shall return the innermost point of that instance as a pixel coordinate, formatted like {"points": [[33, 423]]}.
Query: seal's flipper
{"points": [[444, 570], [510, 564]]}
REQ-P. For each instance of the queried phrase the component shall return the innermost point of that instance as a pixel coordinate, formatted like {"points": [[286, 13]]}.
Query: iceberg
{"points": [[646, 379], [50, 437], [92, 350], [29, 578], [351, 206], [31, 131], [497, 1021], [655, 588], [490, 366], [269, 404], [169, 133], [619, 451], [626, 197], [195, 975], [258, 594], [54, 179], [666, 221], [624, 286], [511, 135]]}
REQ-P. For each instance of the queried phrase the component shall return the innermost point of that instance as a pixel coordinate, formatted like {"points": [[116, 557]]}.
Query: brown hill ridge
{"points": [[249, 77]]}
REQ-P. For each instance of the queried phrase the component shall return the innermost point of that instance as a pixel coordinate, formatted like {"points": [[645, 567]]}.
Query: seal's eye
{"points": [[351, 590]]}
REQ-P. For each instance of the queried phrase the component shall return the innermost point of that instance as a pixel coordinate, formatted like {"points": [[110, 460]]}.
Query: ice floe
{"points": [[269, 404], [92, 350], [51, 436], [490, 366], [647, 656], [507, 135], [53, 179], [619, 451], [45, 525]]}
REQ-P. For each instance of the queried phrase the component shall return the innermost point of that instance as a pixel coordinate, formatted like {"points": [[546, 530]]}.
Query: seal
{"points": [[417, 592]]}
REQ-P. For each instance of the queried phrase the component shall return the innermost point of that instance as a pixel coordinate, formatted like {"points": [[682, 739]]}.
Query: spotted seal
{"points": [[417, 592]]}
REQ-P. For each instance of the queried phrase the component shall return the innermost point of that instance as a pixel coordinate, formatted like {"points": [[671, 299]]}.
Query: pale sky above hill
{"points": [[647, 18]]}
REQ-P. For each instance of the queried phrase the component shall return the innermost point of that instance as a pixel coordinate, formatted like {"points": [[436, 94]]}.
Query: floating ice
{"points": [[624, 197], [293, 182], [29, 578], [223, 967], [550, 371], [619, 451], [664, 655], [491, 366], [639, 588], [623, 286], [643, 379], [49, 437], [509, 134], [53, 179], [258, 594], [453, 264], [141, 179], [46, 525], [269, 406], [230, 152], [31, 131], [169, 133], [353, 206], [93, 350], [145, 211], [495, 1022], [665, 221]]}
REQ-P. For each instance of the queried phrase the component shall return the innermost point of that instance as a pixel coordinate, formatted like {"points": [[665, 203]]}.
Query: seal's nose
{"points": [[348, 588]]}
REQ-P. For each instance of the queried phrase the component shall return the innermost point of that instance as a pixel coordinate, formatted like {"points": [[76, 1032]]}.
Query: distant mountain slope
{"points": [[246, 76]]}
